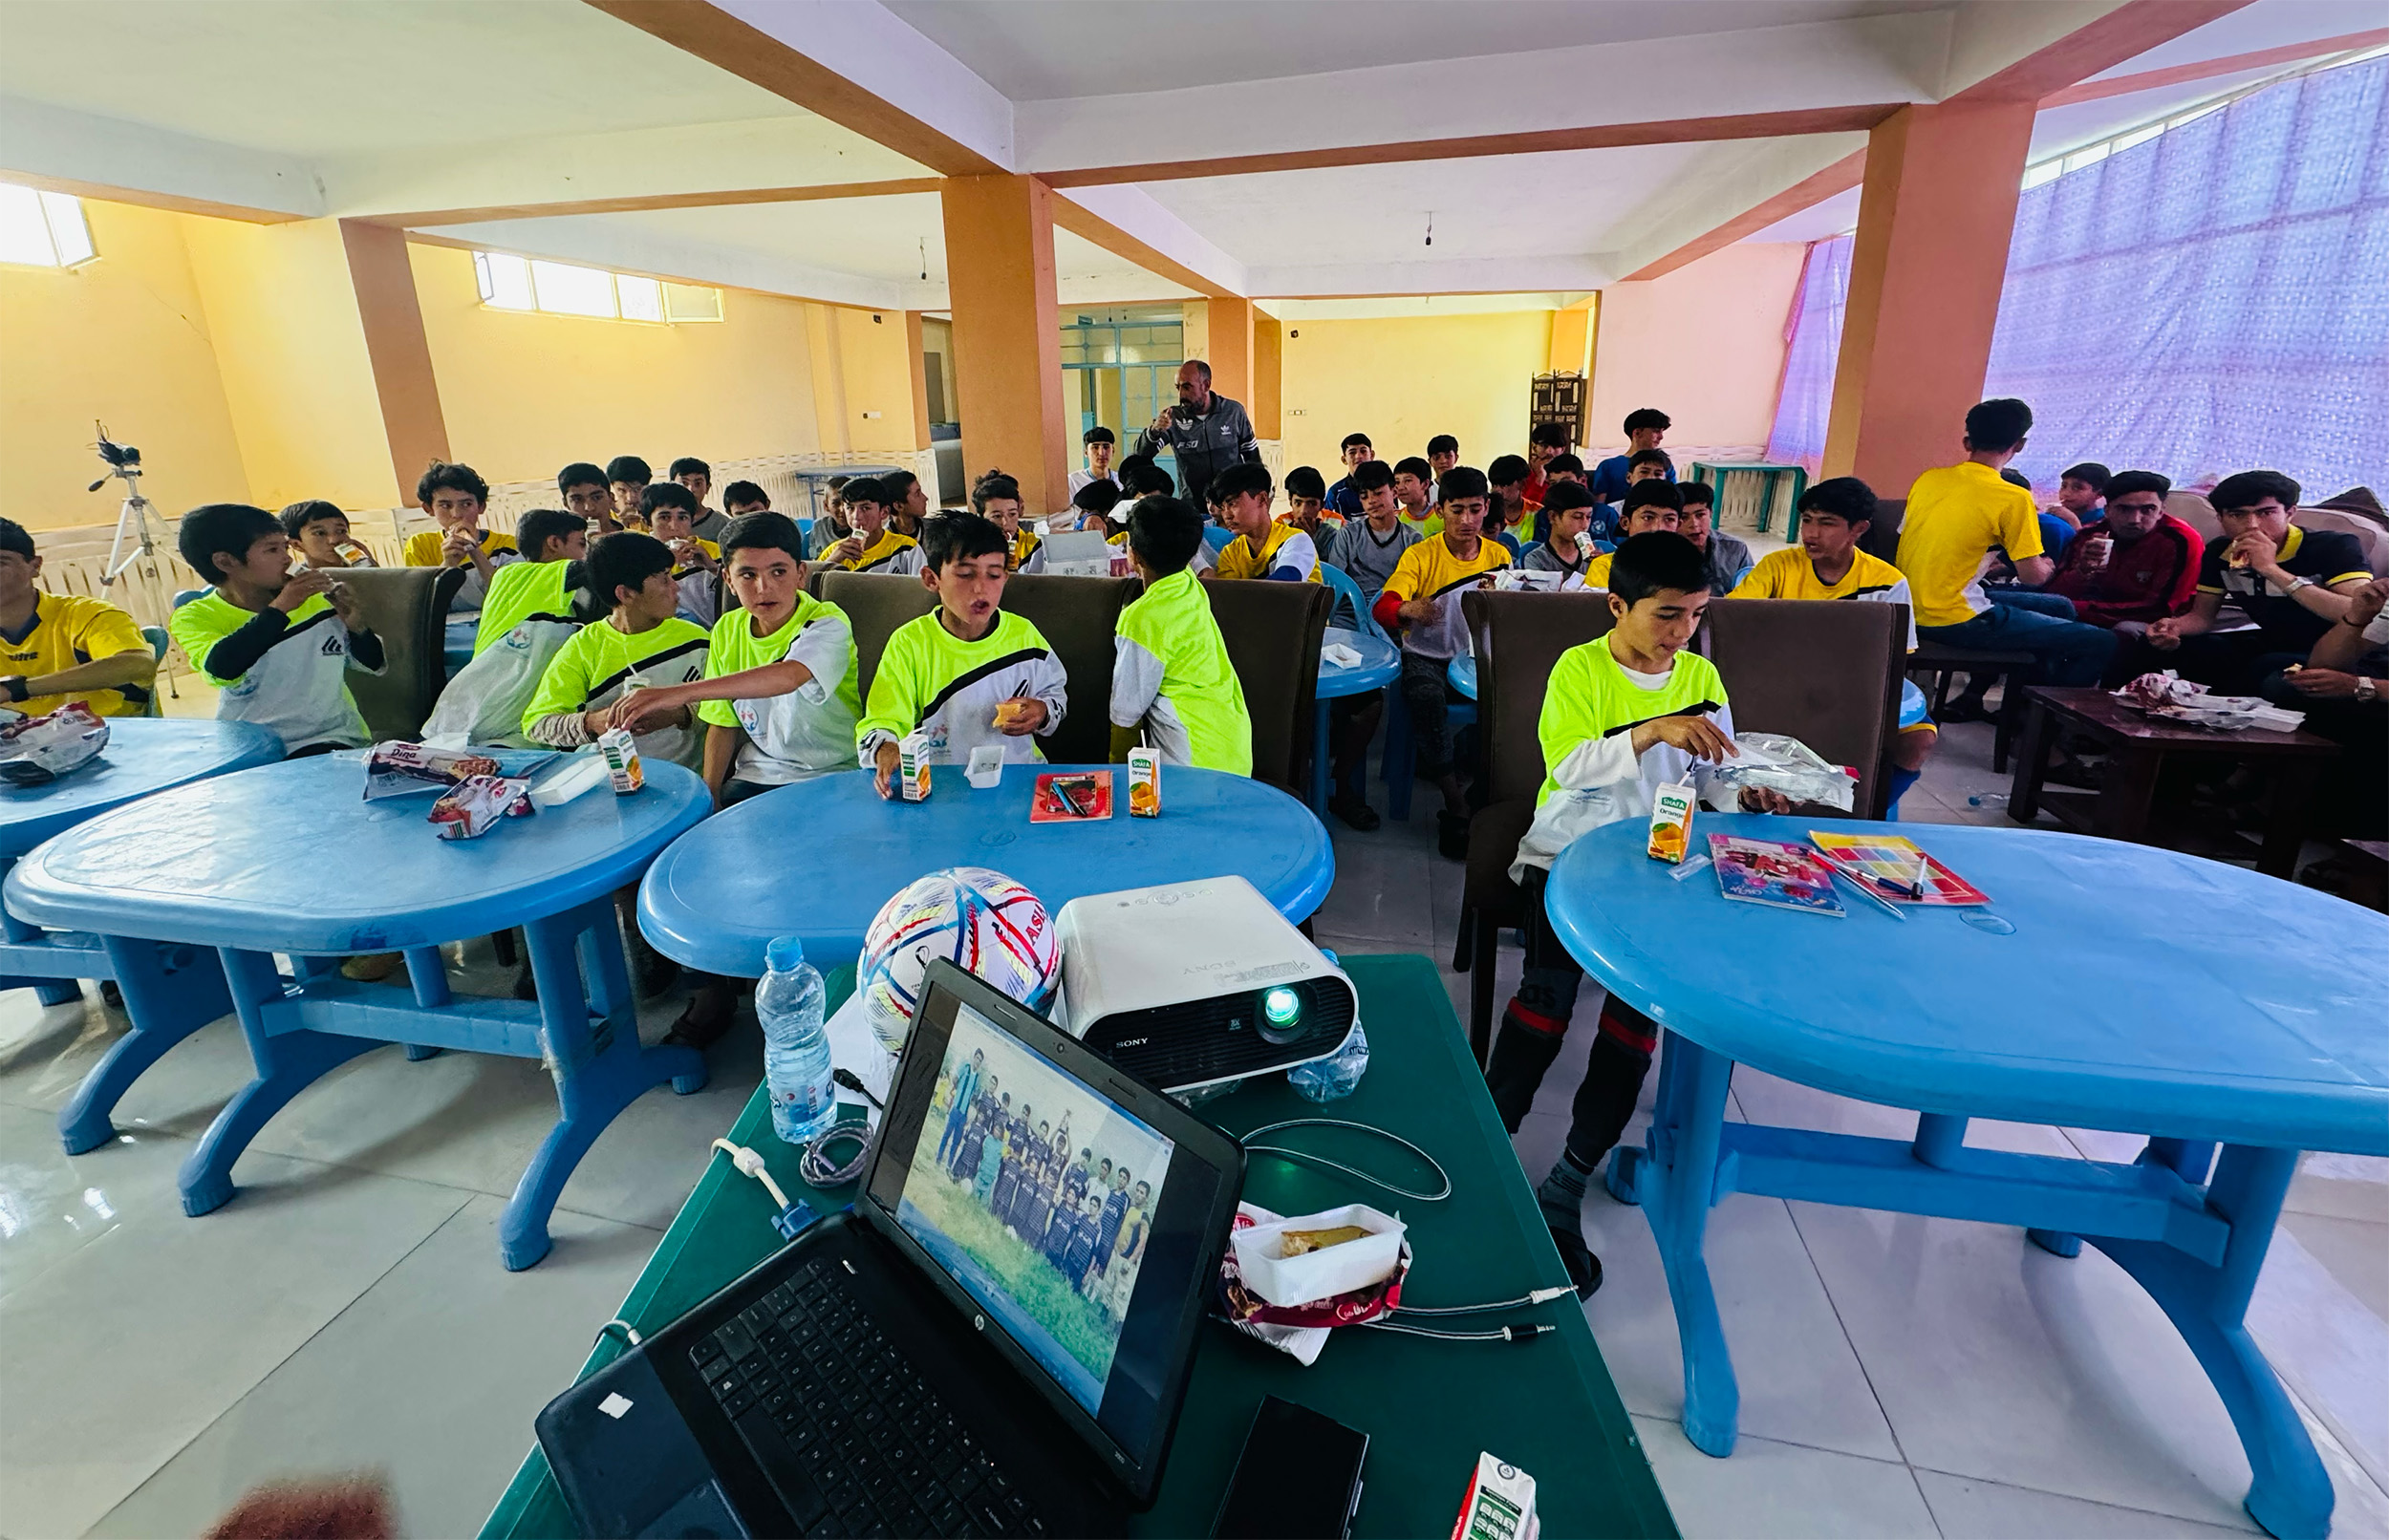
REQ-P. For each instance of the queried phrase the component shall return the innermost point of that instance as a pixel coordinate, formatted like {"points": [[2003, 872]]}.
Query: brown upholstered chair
{"points": [[1273, 632], [407, 608], [1077, 616], [1824, 671], [1517, 638], [1881, 539]]}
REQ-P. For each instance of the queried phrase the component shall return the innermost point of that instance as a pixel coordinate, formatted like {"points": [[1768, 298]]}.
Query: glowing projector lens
{"points": [[1282, 1006]]}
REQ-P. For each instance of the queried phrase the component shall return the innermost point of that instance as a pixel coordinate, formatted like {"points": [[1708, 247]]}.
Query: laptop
{"points": [[995, 1339]]}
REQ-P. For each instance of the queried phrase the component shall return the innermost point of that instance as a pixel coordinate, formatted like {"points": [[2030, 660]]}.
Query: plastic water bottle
{"points": [[1337, 1075], [1988, 799], [796, 1049]]}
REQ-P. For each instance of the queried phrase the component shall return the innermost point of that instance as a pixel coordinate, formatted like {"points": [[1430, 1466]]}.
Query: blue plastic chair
{"points": [[1217, 536], [1348, 592], [186, 595]]}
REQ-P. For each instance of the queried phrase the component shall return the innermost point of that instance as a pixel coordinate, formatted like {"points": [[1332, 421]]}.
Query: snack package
{"points": [[402, 769], [1143, 784], [622, 766], [1316, 1257], [1499, 1504], [1671, 822], [1790, 766], [467, 811], [1298, 1331], [915, 752], [37, 750]]}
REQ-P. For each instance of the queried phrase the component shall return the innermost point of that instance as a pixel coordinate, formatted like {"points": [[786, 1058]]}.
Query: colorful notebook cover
{"points": [[1072, 797], [1886, 862], [1772, 871]]}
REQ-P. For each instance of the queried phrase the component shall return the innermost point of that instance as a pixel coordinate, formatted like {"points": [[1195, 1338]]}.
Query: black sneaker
{"points": [[656, 972], [1451, 836], [1355, 812], [1583, 1266]]}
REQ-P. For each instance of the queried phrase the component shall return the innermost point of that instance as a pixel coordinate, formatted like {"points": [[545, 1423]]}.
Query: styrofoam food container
{"points": [[1322, 1275]]}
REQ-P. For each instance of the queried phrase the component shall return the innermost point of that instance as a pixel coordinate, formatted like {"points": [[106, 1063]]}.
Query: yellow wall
{"points": [[291, 351], [123, 339], [1704, 344], [525, 393], [1402, 381], [878, 380]]}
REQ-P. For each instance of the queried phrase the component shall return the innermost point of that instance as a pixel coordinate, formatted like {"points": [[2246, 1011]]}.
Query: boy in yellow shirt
{"points": [[627, 477], [1240, 496], [997, 495], [1652, 505], [1957, 515], [641, 642], [1421, 601], [1623, 715], [57, 647], [455, 498], [1171, 678], [875, 545], [671, 511], [319, 536], [970, 672]]}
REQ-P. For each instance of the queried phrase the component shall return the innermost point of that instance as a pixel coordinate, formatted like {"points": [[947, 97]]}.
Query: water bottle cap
{"points": [[784, 953]]}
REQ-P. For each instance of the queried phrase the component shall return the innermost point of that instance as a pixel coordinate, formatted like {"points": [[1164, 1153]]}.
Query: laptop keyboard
{"points": [[852, 1438]]}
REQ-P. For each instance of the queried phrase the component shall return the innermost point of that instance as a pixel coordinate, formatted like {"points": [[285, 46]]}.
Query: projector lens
{"points": [[1282, 1006]]}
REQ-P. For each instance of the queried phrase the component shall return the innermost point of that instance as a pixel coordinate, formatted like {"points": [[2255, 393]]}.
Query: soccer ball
{"points": [[981, 921]]}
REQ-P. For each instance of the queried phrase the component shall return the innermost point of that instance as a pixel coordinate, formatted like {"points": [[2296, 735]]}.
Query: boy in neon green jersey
{"points": [[969, 671], [1623, 714], [277, 647], [1172, 674], [553, 542], [778, 699], [641, 642]]}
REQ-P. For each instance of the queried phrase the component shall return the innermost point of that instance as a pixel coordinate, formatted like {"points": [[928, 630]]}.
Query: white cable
{"points": [[1539, 1297], [752, 1164], [1306, 1156]]}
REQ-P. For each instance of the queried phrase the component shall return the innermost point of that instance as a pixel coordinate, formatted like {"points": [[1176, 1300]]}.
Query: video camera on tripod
{"points": [[134, 519]]}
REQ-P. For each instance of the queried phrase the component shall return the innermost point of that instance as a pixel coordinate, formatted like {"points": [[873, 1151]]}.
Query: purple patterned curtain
{"points": [[1812, 348], [2211, 300]]}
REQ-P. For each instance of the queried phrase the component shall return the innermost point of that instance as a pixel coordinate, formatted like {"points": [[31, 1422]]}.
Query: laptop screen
{"points": [[1075, 1225]]}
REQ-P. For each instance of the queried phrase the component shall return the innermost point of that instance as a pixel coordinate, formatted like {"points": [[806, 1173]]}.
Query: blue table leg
{"points": [[2290, 1495], [287, 1063], [599, 1066], [170, 992], [1675, 1182], [1319, 758]]}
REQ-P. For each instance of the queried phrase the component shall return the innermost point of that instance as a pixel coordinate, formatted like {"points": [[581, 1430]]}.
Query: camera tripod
{"points": [[136, 519]]}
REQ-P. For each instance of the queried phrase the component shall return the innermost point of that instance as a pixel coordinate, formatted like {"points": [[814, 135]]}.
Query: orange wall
{"points": [[1704, 344]]}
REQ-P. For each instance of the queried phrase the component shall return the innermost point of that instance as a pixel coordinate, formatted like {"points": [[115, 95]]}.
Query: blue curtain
{"points": [[2212, 300]]}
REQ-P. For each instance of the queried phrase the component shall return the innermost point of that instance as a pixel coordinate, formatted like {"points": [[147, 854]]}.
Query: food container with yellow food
{"points": [[1295, 1260]]}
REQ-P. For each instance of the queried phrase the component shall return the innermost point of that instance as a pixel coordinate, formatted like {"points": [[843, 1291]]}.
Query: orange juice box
{"points": [[1671, 823], [622, 766], [913, 756], [1143, 784]]}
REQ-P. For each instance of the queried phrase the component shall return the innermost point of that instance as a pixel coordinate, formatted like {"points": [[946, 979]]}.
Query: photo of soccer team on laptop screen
{"points": [[1036, 1195]]}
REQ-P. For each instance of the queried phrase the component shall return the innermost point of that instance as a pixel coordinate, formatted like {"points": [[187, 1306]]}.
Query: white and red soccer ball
{"points": [[980, 921]]}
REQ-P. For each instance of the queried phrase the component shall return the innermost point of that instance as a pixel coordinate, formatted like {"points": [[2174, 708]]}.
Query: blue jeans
{"points": [[2066, 651]]}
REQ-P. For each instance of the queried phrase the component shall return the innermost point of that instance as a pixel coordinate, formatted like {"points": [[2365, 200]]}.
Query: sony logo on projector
{"points": [[1192, 984]]}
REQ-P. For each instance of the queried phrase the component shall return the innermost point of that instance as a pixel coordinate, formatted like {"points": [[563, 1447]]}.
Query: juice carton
{"points": [[1144, 782], [913, 756], [1499, 1504], [622, 766], [1671, 823]]}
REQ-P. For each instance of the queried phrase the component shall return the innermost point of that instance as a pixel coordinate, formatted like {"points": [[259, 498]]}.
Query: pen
{"points": [[1864, 887]]}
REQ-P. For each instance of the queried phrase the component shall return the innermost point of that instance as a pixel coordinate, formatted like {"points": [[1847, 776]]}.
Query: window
{"points": [[43, 229], [562, 288]]}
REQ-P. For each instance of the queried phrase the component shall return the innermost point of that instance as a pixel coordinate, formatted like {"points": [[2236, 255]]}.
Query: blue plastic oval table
{"points": [[817, 859], [456, 640], [1462, 676], [1380, 665], [2108, 986], [145, 755], [217, 863]]}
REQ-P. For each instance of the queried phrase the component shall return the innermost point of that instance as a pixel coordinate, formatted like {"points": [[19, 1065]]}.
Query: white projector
{"points": [[1191, 984]]}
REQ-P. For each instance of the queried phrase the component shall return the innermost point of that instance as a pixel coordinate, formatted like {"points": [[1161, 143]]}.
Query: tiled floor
{"points": [[1899, 1376]]}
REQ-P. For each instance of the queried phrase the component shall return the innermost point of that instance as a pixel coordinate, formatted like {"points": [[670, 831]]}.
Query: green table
{"points": [[1429, 1407], [1715, 472]]}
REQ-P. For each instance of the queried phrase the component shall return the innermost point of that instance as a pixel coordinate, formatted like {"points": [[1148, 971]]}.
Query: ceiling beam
{"points": [[2181, 74], [1468, 276], [1537, 141], [118, 162], [648, 203], [2122, 34], [855, 65], [1809, 191], [1129, 223]]}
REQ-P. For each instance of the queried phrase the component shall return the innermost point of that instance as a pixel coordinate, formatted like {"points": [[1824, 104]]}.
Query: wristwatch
{"points": [[2297, 583], [2365, 689]]}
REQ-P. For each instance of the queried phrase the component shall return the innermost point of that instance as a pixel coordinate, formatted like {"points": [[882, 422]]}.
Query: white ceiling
{"points": [[1045, 49], [361, 77], [2265, 24]]}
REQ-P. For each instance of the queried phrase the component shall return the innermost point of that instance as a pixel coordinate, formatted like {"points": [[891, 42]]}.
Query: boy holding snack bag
{"points": [[1171, 676], [970, 672], [1627, 718], [778, 699], [641, 642]]}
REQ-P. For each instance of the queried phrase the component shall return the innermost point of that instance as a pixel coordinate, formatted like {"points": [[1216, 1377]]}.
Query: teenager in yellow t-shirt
{"points": [[57, 647], [1264, 548], [1957, 515], [455, 498]]}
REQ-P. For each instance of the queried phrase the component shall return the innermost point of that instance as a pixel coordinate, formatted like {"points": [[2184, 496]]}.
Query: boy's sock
{"points": [[1522, 1053], [1561, 1197]]}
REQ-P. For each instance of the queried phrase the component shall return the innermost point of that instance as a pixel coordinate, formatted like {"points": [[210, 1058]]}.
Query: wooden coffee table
{"points": [[2135, 749]]}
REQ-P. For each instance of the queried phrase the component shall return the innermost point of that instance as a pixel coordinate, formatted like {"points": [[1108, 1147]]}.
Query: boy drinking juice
{"points": [[592, 678], [671, 511], [875, 545], [1624, 715], [968, 672], [1170, 675]]}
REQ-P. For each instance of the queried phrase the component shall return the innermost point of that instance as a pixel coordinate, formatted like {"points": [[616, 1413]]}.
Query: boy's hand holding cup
{"points": [[689, 553]]}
